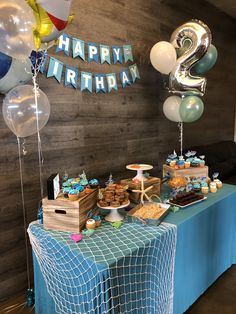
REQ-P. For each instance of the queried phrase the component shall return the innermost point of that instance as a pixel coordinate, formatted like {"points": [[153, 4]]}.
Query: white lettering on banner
{"points": [[78, 49], [55, 68], [87, 77], [104, 53], [64, 44], [70, 76], [134, 70], [117, 52], [111, 81], [99, 81], [125, 78], [92, 51]]}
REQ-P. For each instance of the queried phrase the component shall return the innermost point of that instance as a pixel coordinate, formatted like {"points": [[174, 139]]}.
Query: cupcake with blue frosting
{"points": [[73, 195], [180, 163], [93, 183]]}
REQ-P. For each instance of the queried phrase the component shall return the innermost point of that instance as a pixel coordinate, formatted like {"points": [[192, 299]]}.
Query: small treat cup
{"points": [[205, 189], [218, 183], [73, 197], [90, 224], [213, 187], [172, 163], [187, 164]]}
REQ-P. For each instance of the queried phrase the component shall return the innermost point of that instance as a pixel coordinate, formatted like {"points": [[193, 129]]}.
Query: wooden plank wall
{"points": [[103, 133]]}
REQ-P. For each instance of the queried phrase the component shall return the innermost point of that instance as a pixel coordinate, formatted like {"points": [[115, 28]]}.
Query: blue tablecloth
{"points": [[127, 270], [206, 247]]}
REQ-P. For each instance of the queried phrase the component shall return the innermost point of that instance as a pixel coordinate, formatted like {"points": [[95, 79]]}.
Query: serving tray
{"points": [[192, 203], [148, 221]]}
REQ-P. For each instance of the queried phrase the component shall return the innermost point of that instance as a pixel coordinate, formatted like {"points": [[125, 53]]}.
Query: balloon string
{"points": [[24, 212], [181, 135], [40, 155]]}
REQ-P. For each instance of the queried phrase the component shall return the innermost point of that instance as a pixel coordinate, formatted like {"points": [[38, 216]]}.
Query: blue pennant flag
{"points": [[78, 48], [86, 81], [117, 54], [105, 54], [92, 52], [134, 72], [64, 44], [111, 82], [100, 83], [128, 53], [124, 77], [55, 69], [71, 77]]}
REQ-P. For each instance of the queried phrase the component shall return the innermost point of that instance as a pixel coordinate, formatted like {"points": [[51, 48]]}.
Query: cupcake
{"points": [[196, 187], [218, 183], [83, 182], [181, 163], [66, 191], [204, 189], [213, 187], [73, 195], [98, 220], [88, 190], [93, 183], [90, 224], [201, 163], [173, 163], [195, 162], [168, 160], [189, 187], [187, 164], [75, 181], [79, 188]]}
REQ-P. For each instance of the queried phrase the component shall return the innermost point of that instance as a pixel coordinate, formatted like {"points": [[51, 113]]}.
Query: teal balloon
{"points": [[191, 108], [207, 61]]}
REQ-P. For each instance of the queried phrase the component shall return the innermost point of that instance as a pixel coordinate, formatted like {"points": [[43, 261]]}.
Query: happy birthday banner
{"points": [[77, 48]]}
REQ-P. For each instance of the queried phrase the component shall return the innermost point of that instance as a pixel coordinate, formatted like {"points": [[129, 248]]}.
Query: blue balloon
{"points": [[207, 61], [5, 64]]}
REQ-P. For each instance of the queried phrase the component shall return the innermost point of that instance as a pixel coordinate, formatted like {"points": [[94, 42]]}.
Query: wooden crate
{"points": [[186, 172], [135, 197], [65, 215]]}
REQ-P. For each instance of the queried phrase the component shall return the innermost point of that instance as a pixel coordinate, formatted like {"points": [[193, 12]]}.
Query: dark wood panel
{"points": [[103, 133]]}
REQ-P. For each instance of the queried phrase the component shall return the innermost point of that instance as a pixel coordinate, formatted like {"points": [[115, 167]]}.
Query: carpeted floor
{"points": [[220, 298]]}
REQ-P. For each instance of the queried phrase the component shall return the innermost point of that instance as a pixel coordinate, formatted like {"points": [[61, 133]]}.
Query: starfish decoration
{"points": [[143, 192]]}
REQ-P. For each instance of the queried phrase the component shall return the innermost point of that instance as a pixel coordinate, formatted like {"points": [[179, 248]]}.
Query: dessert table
{"points": [[206, 247], [126, 270]]}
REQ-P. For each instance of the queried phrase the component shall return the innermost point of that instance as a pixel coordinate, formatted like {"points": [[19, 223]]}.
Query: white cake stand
{"points": [[139, 168], [114, 215]]}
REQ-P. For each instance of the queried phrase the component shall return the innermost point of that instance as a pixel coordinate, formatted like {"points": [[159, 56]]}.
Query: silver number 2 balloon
{"points": [[199, 35]]}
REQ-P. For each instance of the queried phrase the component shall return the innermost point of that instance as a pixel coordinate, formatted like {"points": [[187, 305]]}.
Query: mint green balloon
{"points": [[207, 61], [191, 108]]}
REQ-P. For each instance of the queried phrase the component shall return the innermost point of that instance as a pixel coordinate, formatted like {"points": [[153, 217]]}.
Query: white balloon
{"points": [[171, 108], [19, 74], [163, 57], [16, 28], [21, 113]]}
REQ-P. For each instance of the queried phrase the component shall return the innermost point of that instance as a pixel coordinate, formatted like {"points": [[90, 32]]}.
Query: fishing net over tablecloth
{"points": [[126, 270]]}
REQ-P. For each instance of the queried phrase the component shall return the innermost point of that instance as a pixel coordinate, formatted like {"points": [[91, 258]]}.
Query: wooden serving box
{"points": [[65, 215], [186, 172], [135, 197]]}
